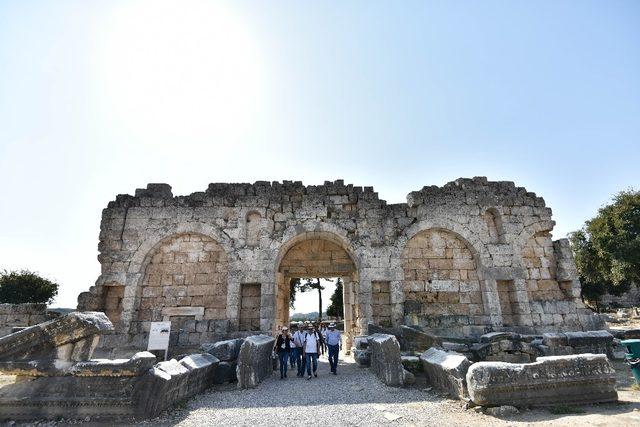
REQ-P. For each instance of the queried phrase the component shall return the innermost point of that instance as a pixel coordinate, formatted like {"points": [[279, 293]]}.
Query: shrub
{"points": [[17, 287]]}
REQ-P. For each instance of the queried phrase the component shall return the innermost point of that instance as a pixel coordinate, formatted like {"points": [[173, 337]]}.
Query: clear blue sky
{"points": [[98, 98]]}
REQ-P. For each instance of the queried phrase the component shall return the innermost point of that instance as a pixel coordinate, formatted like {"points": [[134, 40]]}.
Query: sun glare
{"points": [[186, 70]]}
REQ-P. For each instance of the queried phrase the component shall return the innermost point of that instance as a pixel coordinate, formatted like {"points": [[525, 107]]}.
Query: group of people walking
{"points": [[301, 348]]}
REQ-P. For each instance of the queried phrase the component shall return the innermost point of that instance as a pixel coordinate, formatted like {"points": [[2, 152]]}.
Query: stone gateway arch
{"points": [[460, 260]]}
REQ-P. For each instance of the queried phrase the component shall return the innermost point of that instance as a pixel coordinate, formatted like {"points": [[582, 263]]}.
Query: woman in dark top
{"points": [[283, 348]]}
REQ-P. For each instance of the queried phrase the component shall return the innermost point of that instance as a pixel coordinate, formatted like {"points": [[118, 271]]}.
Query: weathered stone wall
{"points": [[250, 307], [381, 303], [441, 284], [20, 316], [443, 254]]}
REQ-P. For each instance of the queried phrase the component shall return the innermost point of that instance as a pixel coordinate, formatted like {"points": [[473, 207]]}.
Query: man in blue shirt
{"points": [[334, 343]]}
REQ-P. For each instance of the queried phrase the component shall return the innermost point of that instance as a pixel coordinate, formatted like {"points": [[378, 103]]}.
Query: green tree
{"points": [[17, 287], [607, 248], [294, 288], [297, 285], [336, 308]]}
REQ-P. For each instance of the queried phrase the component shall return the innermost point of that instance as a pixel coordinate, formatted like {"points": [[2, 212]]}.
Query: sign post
{"points": [[159, 337]]}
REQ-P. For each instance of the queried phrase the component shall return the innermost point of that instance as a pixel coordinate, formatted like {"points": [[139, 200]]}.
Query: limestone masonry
{"points": [[464, 259]]}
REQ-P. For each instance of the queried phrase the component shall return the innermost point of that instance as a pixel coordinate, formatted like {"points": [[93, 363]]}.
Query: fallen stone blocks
{"points": [[553, 380], [66, 339], [410, 338], [386, 360], [227, 353], [361, 351], [446, 371], [254, 360], [172, 381], [597, 342], [98, 391], [56, 377], [516, 348]]}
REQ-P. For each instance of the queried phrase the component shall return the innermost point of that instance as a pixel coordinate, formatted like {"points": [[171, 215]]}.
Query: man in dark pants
{"points": [[334, 343], [310, 348]]}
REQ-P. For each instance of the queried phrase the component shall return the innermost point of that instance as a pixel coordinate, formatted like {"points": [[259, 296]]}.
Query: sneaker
{"points": [[335, 373], [285, 375], [309, 377], [315, 375]]}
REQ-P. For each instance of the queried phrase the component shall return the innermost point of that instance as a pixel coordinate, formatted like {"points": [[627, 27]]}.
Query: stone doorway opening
{"points": [[319, 255]]}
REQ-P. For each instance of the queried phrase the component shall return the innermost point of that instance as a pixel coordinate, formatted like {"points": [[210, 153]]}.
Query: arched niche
{"points": [[442, 287]]}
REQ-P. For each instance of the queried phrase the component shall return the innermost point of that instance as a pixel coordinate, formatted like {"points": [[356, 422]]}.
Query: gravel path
{"points": [[354, 397]]}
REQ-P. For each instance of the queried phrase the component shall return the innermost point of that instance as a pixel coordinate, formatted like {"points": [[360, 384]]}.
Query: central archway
{"points": [[318, 255]]}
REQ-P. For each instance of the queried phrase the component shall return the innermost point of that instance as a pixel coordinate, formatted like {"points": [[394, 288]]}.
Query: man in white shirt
{"points": [[334, 342], [298, 342], [310, 348]]}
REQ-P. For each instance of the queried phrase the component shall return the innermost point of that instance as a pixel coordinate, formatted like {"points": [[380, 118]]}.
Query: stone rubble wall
{"points": [[461, 259], [516, 348], [20, 316], [553, 380]]}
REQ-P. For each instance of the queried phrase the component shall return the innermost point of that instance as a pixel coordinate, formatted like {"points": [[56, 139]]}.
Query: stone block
{"points": [[69, 338], [386, 361], [164, 385], [446, 371], [589, 339], [68, 397], [254, 360], [224, 351], [225, 372], [494, 336], [553, 380], [202, 369], [361, 342], [362, 357], [417, 340], [412, 364]]}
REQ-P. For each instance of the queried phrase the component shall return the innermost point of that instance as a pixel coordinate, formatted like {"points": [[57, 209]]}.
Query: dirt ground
{"points": [[417, 406]]}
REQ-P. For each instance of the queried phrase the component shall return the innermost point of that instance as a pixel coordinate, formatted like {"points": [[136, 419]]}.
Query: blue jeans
{"points": [[333, 356], [301, 361], [292, 357], [283, 356], [312, 357], [296, 357]]}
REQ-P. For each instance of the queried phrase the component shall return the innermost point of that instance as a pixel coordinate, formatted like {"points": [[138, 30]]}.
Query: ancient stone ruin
{"points": [[460, 260], [551, 380], [455, 283], [14, 317], [56, 375]]}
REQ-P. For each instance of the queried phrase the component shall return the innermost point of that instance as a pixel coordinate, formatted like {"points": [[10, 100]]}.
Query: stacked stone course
{"points": [[14, 316], [470, 257]]}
